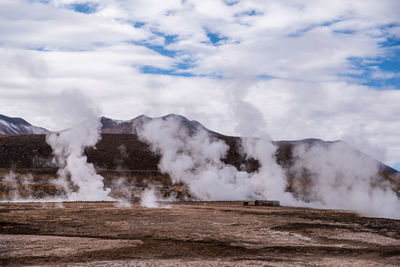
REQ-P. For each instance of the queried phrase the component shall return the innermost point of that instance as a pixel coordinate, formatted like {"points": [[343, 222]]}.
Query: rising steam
{"points": [[75, 176], [338, 176], [270, 177], [196, 159], [78, 177], [149, 199], [68, 147], [335, 176]]}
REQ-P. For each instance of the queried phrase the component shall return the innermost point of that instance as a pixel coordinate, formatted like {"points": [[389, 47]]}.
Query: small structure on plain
{"points": [[270, 203]]}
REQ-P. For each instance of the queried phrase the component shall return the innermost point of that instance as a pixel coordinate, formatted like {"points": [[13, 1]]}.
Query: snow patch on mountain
{"points": [[18, 126]]}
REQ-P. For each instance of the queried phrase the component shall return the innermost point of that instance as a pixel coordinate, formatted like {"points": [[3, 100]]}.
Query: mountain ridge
{"points": [[132, 126], [17, 126]]}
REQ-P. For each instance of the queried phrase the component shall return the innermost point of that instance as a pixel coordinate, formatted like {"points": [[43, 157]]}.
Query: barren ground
{"points": [[191, 234]]}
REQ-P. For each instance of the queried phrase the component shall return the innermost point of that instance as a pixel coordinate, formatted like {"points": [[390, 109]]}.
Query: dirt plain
{"points": [[192, 234]]}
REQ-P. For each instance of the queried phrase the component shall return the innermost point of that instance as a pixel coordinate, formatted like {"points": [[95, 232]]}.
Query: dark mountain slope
{"points": [[126, 151], [128, 127], [124, 156], [18, 126]]}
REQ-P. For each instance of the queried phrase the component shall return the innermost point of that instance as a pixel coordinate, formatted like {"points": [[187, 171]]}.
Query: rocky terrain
{"points": [[192, 234]]}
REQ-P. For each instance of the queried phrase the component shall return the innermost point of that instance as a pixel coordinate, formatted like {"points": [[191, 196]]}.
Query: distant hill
{"points": [[31, 151], [18, 126], [314, 142], [111, 126]]}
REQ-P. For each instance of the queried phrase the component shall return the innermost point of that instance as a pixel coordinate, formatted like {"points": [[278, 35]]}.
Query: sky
{"points": [[307, 68]]}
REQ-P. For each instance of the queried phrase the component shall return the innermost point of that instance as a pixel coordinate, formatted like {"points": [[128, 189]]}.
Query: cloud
{"points": [[296, 63]]}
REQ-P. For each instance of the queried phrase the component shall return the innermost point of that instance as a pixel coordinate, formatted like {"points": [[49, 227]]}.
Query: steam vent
{"points": [[269, 203]]}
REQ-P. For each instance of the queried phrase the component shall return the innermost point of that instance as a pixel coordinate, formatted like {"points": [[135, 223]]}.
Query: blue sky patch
{"points": [[391, 42], [382, 72], [86, 8], [159, 71], [185, 64], [313, 26], [215, 38], [161, 50], [231, 2], [39, 48], [138, 24], [41, 1], [249, 13], [169, 39], [396, 166], [176, 72], [345, 31], [157, 48], [265, 77]]}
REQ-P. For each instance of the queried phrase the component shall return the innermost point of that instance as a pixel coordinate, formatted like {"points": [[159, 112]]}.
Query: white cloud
{"points": [[303, 46]]}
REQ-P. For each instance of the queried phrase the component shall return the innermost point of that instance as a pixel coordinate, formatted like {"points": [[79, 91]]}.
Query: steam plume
{"points": [[196, 160], [149, 199], [68, 148], [337, 176]]}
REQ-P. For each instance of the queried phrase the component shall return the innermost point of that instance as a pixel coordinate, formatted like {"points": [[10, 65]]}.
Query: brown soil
{"points": [[192, 234]]}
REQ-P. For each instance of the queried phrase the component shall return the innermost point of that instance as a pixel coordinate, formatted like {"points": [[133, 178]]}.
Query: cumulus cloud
{"points": [[299, 59]]}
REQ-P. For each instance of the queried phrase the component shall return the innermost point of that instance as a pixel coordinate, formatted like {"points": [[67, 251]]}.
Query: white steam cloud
{"points": [[323, 176], [78, 177], [196, 159], [19, 186], [149, 199], [75, 176], [339, 177], [270, 178]]}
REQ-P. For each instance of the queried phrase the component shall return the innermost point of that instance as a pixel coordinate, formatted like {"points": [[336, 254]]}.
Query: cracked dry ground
{"points": [[192, 234]]}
